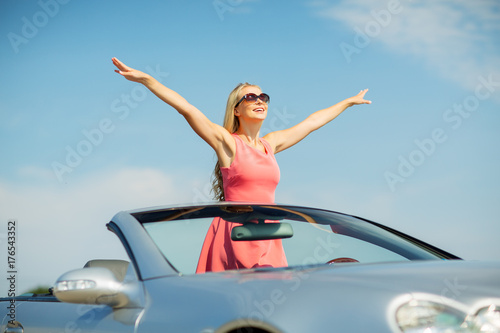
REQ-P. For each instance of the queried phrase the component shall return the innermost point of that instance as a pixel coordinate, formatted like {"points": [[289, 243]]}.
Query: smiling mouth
{"points": [[258, 110]]}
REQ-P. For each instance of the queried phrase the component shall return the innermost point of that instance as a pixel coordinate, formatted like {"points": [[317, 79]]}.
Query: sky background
{"points": [[79, 143]]}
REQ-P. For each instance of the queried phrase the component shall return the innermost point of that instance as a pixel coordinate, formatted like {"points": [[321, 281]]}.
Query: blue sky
{"points": [[79, 143]]}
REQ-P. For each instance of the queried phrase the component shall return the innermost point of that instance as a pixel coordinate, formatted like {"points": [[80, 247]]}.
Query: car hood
{"points": [[465, 281], [307, 299]]}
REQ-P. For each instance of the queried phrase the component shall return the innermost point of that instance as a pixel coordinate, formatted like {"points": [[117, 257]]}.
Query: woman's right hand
{"points": [[128, 72]]}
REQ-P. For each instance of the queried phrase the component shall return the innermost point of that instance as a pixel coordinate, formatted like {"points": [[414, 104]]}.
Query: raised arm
{"points": [[281, 140], [214, 134]]}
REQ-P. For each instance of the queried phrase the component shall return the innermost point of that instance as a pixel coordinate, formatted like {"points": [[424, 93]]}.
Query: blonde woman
{"points": [[246, 170]]}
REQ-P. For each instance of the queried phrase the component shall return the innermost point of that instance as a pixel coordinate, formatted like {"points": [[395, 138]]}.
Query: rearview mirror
{"points": [[261, 231]]}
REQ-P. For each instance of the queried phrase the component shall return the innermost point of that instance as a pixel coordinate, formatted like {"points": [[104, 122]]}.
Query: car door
{"points": [[47, 314]]}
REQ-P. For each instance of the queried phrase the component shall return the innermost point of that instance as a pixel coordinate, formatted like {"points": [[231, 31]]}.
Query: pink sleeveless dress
{"points": [[252, 177]]}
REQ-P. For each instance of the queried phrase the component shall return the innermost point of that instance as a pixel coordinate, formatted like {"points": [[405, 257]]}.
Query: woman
{"points": [[246, 169]]}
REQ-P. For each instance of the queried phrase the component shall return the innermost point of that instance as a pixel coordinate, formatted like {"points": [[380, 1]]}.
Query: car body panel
{"points": [[283, 299], [54, 316]]}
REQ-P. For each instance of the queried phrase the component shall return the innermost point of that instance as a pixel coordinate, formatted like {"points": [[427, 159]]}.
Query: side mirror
{"points": [[95, 285]]}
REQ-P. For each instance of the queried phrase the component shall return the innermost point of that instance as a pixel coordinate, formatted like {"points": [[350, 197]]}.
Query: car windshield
{"points": [[308, 236]]}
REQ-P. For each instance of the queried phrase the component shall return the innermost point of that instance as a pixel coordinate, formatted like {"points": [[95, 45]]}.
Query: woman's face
{"points": [[251, 111]]}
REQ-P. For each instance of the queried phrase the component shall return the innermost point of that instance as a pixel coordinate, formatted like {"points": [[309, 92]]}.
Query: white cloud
{"points": [[61, 226], [457, 39], [37, 173]]}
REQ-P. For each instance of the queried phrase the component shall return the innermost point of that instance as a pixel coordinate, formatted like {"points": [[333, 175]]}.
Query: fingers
{"points": [[122, 69], [116, 62], [120, 64], [360, 97], [362, 94]]}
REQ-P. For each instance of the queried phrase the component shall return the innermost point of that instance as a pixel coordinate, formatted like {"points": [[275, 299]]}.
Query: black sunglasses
{"points": [[253, 97]]}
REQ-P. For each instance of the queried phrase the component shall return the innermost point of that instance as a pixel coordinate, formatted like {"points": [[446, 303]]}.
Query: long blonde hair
{"points": [[231, 123]]}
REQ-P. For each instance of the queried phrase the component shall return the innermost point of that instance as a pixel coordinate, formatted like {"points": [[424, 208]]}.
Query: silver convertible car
{"points": [[343, 274]]}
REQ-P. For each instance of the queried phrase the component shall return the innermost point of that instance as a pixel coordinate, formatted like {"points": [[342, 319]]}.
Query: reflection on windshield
{"points": [[220, 253]]}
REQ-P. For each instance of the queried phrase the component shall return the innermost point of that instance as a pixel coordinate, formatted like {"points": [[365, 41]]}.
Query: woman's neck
{"points": [[250, 133]]}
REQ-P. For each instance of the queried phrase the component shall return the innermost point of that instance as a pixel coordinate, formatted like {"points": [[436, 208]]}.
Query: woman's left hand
{"points": [[359, 98]]}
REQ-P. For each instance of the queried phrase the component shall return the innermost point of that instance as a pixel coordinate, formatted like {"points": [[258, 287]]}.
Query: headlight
{"points": [[430, 317], [487, 319], [424, 313]]}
